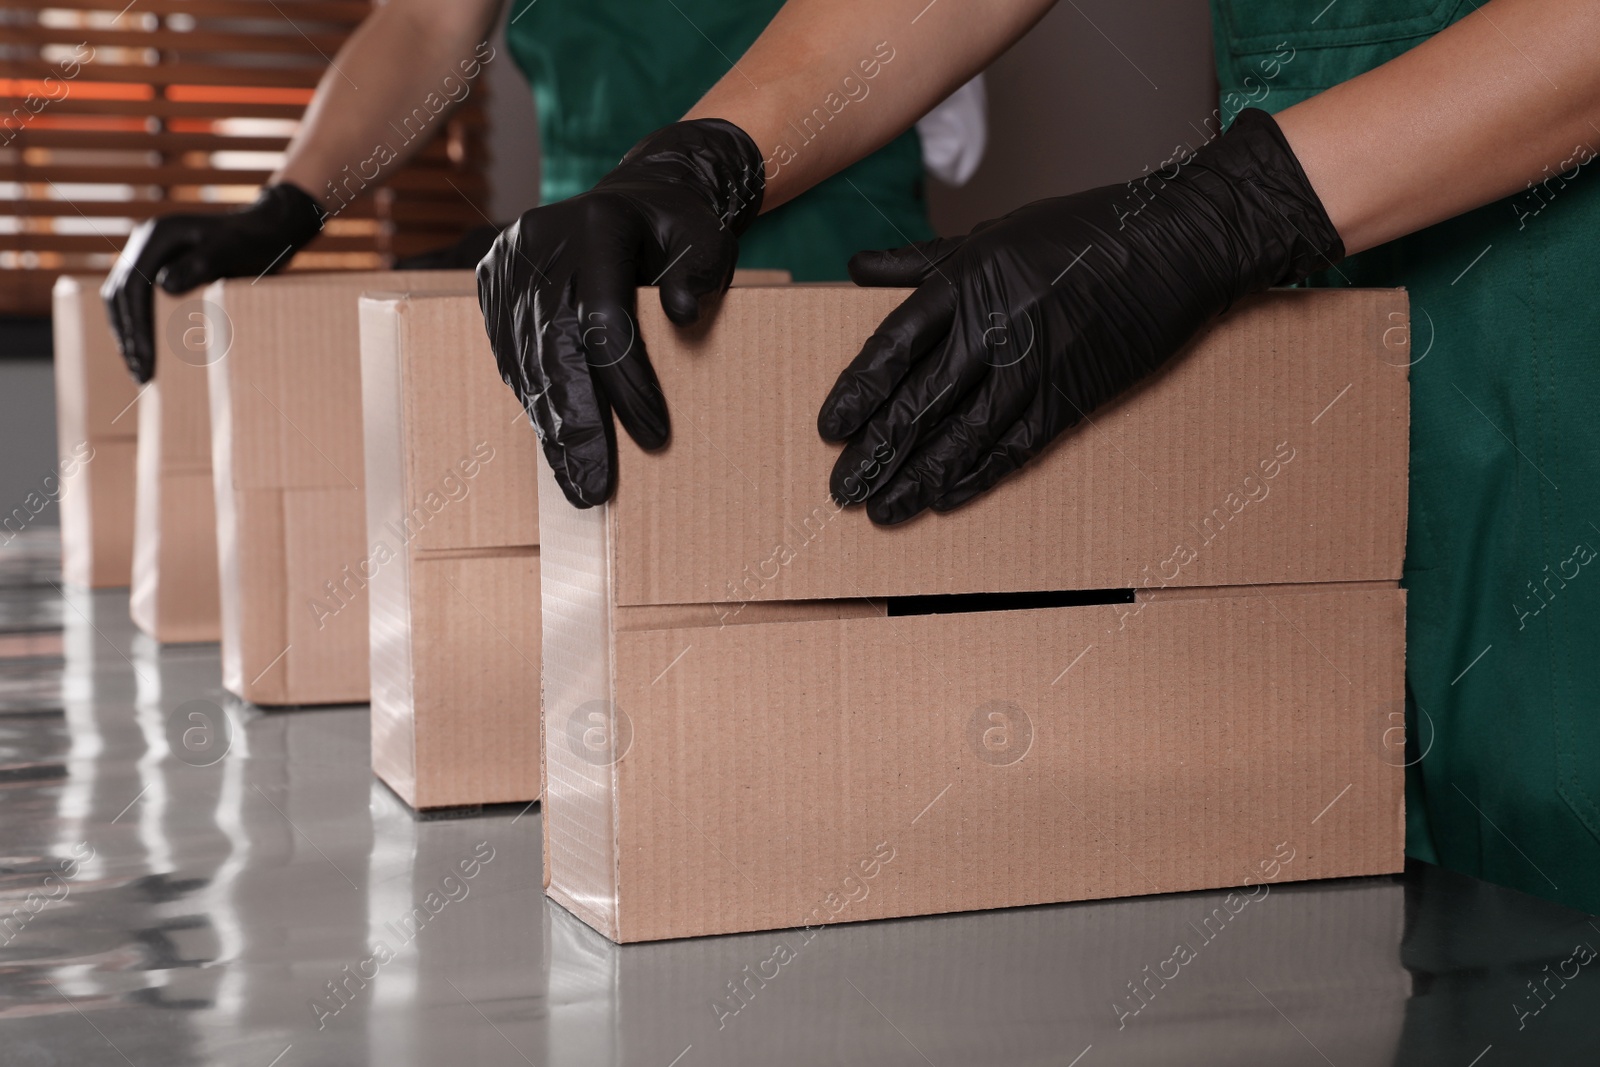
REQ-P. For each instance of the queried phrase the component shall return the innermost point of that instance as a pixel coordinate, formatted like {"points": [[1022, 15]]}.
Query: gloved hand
{"points": [[180, 252], [557, 291], [463, 255], [1022, 328]]}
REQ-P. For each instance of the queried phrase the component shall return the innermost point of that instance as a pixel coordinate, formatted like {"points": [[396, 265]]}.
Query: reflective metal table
{"points": [[189, 881]]}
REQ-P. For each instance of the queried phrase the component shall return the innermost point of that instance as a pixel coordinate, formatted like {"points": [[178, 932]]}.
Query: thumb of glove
{"points": [[686, 283], [907, 266]]}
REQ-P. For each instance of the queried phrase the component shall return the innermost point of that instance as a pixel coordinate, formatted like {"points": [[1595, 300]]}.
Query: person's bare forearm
{"points": [[1507, 96], [386, 93], [830, 81]]}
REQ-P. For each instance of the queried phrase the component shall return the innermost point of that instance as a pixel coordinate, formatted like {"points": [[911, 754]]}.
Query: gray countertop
{"points": [[265, 902]]}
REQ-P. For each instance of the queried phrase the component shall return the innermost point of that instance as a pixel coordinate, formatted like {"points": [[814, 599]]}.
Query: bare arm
{"points": [[1468, 117], [802, 61], [1508, 95], [403, 52]]}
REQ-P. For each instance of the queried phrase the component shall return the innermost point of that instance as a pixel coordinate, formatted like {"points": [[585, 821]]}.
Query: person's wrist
{"points": [[1276, 209], [299, 214], [715, 156]]}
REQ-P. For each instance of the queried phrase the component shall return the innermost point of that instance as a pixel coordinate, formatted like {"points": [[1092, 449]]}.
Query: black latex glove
{"points": [[1022, 328], [463, 255], [181, 252], [557, 291]]}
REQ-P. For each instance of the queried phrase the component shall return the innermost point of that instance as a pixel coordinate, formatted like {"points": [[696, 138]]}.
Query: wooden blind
{"points": [[110, 114]]}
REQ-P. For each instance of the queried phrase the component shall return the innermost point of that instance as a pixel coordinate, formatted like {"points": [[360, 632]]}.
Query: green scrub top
{"points": [[1503, 547], [607, 72]]}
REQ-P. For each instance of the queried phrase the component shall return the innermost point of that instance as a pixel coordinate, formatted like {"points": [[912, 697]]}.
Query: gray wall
{"points": [[27, 432], [513, 132], [1097, 90]]}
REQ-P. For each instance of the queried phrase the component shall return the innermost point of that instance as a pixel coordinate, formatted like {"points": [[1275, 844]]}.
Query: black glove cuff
{"points": [[295, 212], [1271, 200], [714, 156]]}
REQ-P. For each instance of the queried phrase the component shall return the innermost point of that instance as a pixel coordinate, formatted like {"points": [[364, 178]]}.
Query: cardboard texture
{"points": [[96, 431], [451, 462], [438, 406], [721, 777], [1170, 464], [285, 396], [97, 508], [454, 715], [174, 589], [451, 488]]}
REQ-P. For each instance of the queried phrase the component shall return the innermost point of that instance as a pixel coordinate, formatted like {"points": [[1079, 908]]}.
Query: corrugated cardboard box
{"points": [[96, 431], [174, 582], [452, 465], [718, 760], [452, 492], [291, 505]]}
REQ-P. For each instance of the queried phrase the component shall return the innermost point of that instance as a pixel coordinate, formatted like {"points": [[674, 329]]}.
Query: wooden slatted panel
{"points": [[111, 114]]}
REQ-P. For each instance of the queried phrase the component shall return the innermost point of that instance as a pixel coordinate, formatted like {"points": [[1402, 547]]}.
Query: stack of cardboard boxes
{"points": [[174, 583], [96, 438], [452, 507], [291, 500], [760, 712], [136, 504], [452, 500]]}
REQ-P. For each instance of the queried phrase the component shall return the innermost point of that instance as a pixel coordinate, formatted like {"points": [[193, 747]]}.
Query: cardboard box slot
{"points": [[967, 603]]}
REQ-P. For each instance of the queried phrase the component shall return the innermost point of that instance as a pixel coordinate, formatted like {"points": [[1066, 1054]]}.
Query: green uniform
{"points": [[1501, 565], [607, 72]]}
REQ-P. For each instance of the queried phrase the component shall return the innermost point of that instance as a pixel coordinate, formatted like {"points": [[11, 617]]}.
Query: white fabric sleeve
{"points": [[955, 134]]}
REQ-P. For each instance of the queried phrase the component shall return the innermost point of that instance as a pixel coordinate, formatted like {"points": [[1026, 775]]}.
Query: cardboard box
{"points": [[452, 464], [718, 761], [97, 507], [173, 594], [96, 431], [452, 490], [285, 393]]}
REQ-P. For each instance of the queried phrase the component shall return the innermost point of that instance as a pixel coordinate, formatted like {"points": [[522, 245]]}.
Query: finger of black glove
{"points": [[906, 335], [501, 284], [688, 275], [908, 265], [129, 292], [1024, 440], [577, 433], [960, 443], [933, 389], [191, 270], [537, 341], [200, 264], [131, 306], [615, 352]]}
